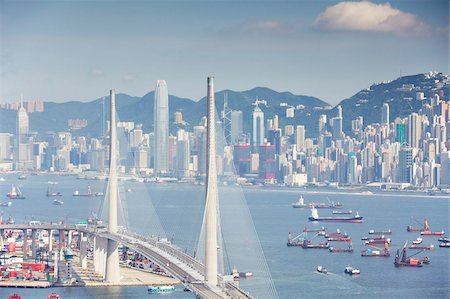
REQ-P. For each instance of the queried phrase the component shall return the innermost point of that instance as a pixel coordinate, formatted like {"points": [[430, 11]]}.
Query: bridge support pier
{"points": [[50, 241], [83, 251], [61, 244], [112, 261], [33, 243], [25, 244], [96, 254], [69, 238]]}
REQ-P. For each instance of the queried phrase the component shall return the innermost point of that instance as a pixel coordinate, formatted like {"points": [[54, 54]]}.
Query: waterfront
{"points": [[179, 207]]}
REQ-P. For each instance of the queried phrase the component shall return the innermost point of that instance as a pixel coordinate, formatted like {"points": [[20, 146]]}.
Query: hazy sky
{"points": [[67, 50]]}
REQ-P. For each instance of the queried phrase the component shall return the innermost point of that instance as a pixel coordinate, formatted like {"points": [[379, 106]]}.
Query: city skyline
{"points": [[306, 46]]}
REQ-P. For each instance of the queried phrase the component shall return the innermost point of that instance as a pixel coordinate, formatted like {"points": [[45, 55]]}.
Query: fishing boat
{"points": [[300, 203], [352, 271], [427, 232], [339, 249], [403, 260], [15, 296], [15, 193], [343, 212], [374, 232], [6, 204], [160, 289], [315, 217], [421, 247], [89, 193], [322, 270], [58, 202]]}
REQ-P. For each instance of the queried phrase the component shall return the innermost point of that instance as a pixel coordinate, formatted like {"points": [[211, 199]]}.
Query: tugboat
{"points": [[15, 193], [427, 232], [352, 271], [403, 260], [315, 217], [300, 203], [322, 270]]}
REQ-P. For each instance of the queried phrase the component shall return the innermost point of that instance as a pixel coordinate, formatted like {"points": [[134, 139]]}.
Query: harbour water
{"points": [[175, 211]]}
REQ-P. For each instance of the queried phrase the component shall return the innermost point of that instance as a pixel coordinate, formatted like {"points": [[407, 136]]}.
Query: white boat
{"points": [[321, 269], [352, 271], [417, 241], [58, 202], [6, 204], [367, 193], [300, 203], [2, 179], [160, 289]]}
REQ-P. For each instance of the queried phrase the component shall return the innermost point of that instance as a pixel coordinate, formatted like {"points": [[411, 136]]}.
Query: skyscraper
{"points": [[414, 129], [405, 164], [236, 126], [161, 125], [23, 148], [258, 127], [385, 114], [300, 137]]}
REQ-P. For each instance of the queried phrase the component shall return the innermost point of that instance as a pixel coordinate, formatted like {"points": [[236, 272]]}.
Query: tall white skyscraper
{"points": [[300, 137], [23, 147], [414, 129], [385, 114], [161, 125], [258, 127]]}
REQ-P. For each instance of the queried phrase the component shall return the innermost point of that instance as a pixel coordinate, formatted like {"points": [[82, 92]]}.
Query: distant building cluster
{"points": [[413, 151], [76, 124], [30, 106]]}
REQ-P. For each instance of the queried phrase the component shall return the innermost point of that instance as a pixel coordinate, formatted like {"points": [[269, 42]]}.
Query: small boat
{"points": [[374, 232], [22, 177], [52, 183], [15, 193], [58, 202], [53, 296], [421, 247], [322, 270], [2, 179], [338, 249], [300, 203], [128, 190], [315, 217], [444, 239], [352, 271], [343, 212], [366, 193], [160, 289], [89, 193], [52, 194], [15, 296], [417, 241], [6, 204], [444, 244]]}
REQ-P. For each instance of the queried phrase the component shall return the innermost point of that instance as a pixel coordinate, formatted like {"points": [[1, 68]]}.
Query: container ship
{"points": [[315, 217]]}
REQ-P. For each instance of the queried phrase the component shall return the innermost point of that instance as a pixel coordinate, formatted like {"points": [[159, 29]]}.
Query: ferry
{"points": [[322, 270], [300, 203], [15, 193], [315, 217], [352, 271], [160, 289]]}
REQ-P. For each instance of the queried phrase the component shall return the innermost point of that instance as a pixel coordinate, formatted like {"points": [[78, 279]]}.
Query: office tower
{"points": [[445, 168], [339, 111], [102, 112], [385, 114], [400, 133], [183, 154], [237, 130], [300, 137], [322, 123], [290, 112], [226, 118], [23, 147], [275, 122], [161, 126], [414, 130], [179, 118], [288, 130], [242, 158], [5, 144], [258, 127], [274, 137], [267, 166], [405, 164], [336, 125]]}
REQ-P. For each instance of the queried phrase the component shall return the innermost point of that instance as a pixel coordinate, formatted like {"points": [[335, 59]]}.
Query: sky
{"points": [[78, 50]]}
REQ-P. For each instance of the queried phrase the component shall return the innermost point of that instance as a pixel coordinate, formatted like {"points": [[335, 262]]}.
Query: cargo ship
{"points": [[421, 247], [374, 232], [338, 249], [15, 193], [315, 217], [403, 260], [427, 232]]}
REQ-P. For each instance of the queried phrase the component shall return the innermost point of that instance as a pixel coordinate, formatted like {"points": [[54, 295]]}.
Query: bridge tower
{"points": [[211, 191], [112, 274]]}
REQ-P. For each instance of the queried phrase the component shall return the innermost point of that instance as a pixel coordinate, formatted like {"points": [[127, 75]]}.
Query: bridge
{"points": [[202, 279]]}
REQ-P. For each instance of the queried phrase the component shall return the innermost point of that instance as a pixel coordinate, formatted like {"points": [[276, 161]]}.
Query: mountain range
{"points": [[367, 103]]}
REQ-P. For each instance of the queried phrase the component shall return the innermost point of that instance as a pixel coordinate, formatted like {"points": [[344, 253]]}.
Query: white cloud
{"points": [[368, 16]]}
